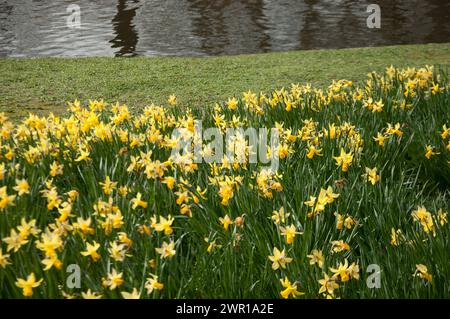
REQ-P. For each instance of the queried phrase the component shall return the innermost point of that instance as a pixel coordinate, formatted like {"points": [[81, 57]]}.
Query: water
{"points": [[208, 27]]}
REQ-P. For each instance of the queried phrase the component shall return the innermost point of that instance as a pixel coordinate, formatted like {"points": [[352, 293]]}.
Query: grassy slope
{"points": [[43, 84]]}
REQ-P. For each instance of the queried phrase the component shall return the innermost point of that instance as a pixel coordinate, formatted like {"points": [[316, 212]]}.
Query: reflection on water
{"points": [[126, 36], [212, 27]]}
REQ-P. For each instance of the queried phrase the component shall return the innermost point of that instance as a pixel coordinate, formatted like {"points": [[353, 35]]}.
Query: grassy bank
{"points": [[44, 84], [358, 206]]}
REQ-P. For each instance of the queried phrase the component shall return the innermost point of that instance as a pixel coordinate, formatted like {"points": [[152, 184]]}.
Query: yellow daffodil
{"points": [[312, 151], [91, 250], [114, 279], [167, 250], [83, 155], [353, 270], [56, 169], [290, 289], [14, 241], [73, 195], [339, 245], [279, 259], [429, 151], [4, 259], [108, 186], [380, 139], [28, 284], [326, 196], [169, 181], [152, 284], [22, 187], [28, 228], [211, 245], [91, 295], [442, 217], [232, 103], [395, 237], [327, 285], [422, 272], [279, 216], [445, 132], [52, 261], [344, 160], [5, 199], [316, 257], [135, 294], [226, 222], [289, 233], [138, 202], [50, 243], [394, 130], [164, 225], [117, 251], [172, 100], [84, 226], [372, 176], [425, 218], [341, 272]]}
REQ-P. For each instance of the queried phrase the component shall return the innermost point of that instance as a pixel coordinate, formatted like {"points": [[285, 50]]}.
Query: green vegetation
{"points": [[45, 84], [363, 179]]}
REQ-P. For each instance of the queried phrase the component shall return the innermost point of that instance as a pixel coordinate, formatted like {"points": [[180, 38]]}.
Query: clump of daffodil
{"points": [[103, 186]]}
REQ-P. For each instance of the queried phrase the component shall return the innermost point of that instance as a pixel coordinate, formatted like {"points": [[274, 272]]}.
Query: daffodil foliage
{"points": [[362, 185]]}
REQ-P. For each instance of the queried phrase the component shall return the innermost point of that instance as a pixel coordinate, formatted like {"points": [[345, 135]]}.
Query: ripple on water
{"points": [[203, 27]]}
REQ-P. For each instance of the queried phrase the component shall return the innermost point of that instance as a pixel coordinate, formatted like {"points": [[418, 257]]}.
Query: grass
{"points": [[399, 214], [41, 85]]}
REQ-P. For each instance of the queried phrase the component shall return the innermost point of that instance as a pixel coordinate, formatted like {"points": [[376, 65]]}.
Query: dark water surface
{"points": [[214, 27]]}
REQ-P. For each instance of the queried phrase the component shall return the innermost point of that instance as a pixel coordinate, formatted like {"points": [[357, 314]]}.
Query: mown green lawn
{"points": [[43, 84]]}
